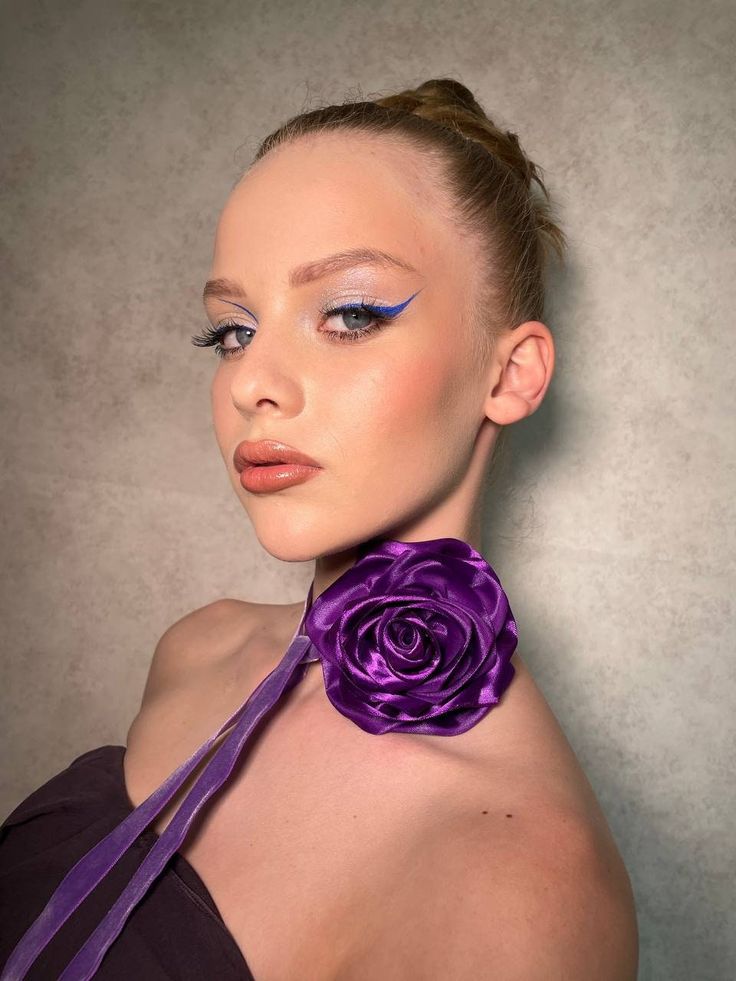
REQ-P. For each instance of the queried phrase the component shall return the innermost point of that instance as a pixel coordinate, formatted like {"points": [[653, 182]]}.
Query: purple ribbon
{"points": [[414, 637], [94, 866]]}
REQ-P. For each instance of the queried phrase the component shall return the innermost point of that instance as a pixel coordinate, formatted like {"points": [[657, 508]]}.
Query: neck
{"points": [[459, 515]]}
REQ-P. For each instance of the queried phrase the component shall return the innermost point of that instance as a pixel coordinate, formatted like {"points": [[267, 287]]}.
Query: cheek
{"points": [[407, 413], [224, 415], [420, 399]]}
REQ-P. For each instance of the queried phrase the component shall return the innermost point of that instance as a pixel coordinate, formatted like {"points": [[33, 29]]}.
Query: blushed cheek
{"points": [[417, 419], [430, 395]]}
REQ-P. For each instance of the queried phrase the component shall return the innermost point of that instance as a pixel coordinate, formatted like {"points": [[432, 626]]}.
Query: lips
{"points": [[266, 452], [270, 465]]}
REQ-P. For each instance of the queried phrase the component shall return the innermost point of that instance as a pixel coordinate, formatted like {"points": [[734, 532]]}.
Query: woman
{"points": [[375, 301]]}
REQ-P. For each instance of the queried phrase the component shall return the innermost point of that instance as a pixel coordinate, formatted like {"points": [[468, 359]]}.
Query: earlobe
{"points": [[521, 371]]}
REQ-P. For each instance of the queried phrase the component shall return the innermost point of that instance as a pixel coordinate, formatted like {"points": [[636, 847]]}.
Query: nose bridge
{"points": [[269, 367]]}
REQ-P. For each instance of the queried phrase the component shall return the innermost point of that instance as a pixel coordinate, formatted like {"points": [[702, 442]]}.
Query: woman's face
{"points": [[391, 416]]}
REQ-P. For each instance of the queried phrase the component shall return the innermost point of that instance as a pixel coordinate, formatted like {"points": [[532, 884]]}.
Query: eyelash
{"points": [[211, 336]]}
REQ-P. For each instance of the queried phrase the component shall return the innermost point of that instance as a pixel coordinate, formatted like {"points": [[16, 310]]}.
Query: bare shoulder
{"points": [[547, 893], [526, 904], [560, 903], [520, 877], [197, 640]]}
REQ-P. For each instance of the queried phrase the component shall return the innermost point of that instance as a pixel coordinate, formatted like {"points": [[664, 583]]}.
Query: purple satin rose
{"points": [[415, 637]]}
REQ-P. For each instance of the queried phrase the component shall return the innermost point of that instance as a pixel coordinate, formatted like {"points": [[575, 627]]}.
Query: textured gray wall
{"points": [[123, 128]]}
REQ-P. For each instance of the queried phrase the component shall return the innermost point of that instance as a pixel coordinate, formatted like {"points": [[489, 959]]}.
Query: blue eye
{"points": [[213, 336], [351, 314]]}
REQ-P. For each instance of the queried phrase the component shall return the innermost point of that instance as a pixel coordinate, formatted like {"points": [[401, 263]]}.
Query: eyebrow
{"points": [[310, 271]]}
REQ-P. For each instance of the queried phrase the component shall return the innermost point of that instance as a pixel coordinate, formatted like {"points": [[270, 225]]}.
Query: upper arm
{"points": [[560, 908], [195, 640]]}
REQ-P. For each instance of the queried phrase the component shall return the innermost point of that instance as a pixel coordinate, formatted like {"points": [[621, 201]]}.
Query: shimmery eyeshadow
{"points": [[243, 308], [387, 311]]}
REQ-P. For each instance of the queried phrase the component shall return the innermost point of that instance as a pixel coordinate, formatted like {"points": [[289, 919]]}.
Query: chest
{"points": [[321, 835]]}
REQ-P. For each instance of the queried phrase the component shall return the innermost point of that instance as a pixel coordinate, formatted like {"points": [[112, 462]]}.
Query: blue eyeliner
{"points": [[386, 311]]}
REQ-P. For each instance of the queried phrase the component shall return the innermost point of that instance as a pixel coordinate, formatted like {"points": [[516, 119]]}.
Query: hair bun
{"points": [[438, 94], [450, 103]]}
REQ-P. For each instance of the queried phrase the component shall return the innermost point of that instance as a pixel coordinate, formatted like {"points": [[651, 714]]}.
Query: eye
{"points": [[359, 319], [353, 316], [214, 336]]}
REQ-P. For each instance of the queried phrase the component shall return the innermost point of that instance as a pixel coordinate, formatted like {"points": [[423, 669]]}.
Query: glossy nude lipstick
{"points": [[269, 465]]}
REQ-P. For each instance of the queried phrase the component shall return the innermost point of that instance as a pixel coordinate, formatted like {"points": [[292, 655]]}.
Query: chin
{"points": [[286, 538], [286, 550], [293, 539]]}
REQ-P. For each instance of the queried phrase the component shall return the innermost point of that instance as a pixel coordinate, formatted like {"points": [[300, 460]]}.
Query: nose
{"points": [[266, 376]]}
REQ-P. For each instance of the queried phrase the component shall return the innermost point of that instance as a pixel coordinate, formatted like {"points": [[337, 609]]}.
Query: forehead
{"points": [[322, 193]]}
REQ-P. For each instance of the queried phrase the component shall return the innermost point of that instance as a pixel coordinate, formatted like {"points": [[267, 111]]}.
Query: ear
{"points": [[520, 372]]}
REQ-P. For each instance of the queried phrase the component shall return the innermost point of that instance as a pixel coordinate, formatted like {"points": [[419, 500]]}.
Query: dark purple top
{"points": [[175, 933]]}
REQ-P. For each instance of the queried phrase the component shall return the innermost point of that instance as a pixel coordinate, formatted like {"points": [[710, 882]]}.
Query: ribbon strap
{"points": [[97, 862]]}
